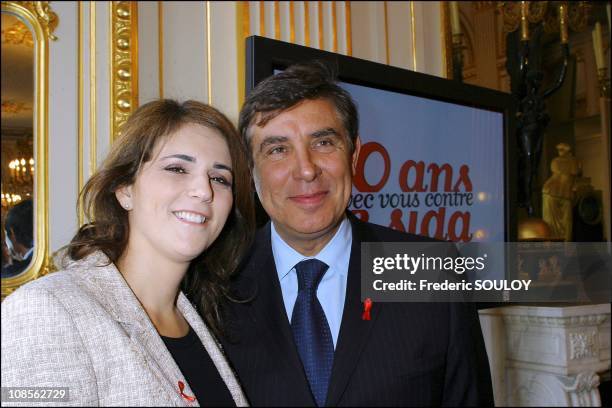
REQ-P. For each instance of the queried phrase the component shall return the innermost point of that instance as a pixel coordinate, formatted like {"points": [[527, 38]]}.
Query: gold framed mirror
{"points": [[27, 27]]}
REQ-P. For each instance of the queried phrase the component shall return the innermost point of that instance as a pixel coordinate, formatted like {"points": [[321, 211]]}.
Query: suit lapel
{"points": [[122, 304], [159, 359], [268, 308], [354, 332]]}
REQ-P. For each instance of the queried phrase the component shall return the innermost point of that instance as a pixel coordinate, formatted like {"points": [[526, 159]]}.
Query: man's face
{"points": [[303, 171]]}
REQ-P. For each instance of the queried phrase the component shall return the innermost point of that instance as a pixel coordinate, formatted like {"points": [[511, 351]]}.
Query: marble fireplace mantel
{"points": [[547, 355]]}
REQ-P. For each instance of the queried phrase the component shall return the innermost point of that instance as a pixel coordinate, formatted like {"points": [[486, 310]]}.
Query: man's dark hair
{"points": [[20, 219], [299, 82]]}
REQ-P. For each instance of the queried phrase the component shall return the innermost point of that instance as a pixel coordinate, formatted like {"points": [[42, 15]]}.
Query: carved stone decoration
{"points": [[582, 389], [547, 355], [124, 63], [549, 321], [583, 382], [532, 389], [583, 345]]}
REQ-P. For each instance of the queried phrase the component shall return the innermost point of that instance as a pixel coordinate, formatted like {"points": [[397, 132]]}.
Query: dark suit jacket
{"points": [[408, 354]]}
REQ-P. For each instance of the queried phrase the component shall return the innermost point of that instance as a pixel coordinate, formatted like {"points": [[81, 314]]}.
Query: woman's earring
{"points": [[126, 206]]}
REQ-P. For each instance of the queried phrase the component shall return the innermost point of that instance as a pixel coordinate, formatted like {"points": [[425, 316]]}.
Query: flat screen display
{"points": [[429, 167], [438, 156]]}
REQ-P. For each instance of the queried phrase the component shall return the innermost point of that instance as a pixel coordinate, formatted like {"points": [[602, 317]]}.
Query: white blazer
{"points": [[83, 328]]}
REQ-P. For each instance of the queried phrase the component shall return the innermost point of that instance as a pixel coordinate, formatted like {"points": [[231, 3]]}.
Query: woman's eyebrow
{"points": [[191, 159], [185, 157], [221, 166]]}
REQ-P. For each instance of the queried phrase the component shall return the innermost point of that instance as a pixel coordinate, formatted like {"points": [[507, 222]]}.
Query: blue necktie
{"points": [[310, 329]]}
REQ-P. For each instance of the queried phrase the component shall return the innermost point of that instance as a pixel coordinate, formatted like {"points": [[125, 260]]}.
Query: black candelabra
{"points": [[526, 77], [523, 62]]}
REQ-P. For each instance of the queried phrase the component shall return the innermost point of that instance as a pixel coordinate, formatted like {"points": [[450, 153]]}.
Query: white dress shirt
{"points": [[332, 288]]}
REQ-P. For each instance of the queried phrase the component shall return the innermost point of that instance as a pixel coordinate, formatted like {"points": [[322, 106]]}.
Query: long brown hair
{"points": [[207, 279]]}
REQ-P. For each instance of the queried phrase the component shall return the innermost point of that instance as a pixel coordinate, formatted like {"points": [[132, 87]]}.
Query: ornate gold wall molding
{"points": [[413, 31], [387, 53], [326, 16], [347, 17], [13, 107], [93, 132], [291, 22], [17, 34], [43, 22], [308, 10], [320, 23], [47, 19], [80, 114], [208, 53], [445, 34], [124, 62]]}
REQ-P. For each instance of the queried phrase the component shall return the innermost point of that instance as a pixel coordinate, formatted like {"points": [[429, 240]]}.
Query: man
{"points": [[19, 238], [300, 339]]}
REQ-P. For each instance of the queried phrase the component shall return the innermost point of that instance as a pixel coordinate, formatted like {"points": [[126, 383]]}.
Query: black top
{"points": [[199, 370]]}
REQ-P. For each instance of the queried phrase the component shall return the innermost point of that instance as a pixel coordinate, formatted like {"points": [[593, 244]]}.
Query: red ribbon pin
{"points": [[367, 306], [181, 386]]}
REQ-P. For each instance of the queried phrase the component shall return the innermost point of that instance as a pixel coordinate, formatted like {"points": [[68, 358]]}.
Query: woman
{"points": [[171, 209]]}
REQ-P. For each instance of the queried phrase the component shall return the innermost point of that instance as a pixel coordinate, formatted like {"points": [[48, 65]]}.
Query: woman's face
{"points": [[182, 197]]}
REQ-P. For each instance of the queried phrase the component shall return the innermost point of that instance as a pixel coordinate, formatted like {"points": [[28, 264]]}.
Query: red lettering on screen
{"points": [[359, 180]]}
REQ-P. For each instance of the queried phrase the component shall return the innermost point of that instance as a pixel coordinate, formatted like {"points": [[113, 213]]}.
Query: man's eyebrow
{"points": [[270, 140], [325, 132], [185, 157]]}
